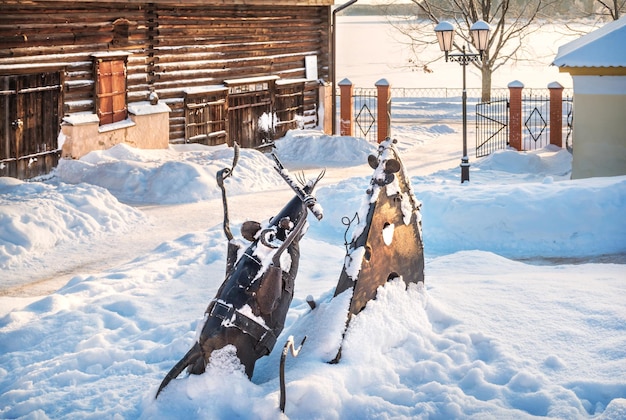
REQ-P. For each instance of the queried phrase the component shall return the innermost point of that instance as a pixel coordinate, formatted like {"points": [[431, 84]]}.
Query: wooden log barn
{"points": [[77, 76]]}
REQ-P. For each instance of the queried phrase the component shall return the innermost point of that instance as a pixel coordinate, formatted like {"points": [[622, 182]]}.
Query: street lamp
{"points": [[480, 37]]}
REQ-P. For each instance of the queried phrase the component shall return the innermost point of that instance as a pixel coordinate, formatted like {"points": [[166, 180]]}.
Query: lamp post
{"points": [[480, 36]]}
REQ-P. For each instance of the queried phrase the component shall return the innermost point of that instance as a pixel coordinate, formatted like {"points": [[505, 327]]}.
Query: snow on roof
{"points": [[604, 47]]}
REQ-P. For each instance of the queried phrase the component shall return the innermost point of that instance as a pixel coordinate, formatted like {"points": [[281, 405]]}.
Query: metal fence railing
{"points": [[428, 105], [535, 120], [492, 126], [365, 112], [568, 121], [443, 92]]}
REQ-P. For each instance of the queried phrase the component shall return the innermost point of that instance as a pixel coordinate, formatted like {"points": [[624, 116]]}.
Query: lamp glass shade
{"points": [[445, 35], [480, 35]]}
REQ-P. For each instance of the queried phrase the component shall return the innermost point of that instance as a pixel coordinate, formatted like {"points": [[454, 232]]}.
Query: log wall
{"points": [[173, 46]]}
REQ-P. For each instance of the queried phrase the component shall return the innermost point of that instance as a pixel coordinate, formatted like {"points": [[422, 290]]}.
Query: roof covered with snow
{"points": [[604, 47]]}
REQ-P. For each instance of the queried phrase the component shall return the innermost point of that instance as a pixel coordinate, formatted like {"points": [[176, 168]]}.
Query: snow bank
{"points": [[180, 174], [486, 337], [550, 161], [533, 213], [526, 220], [36, 216], [309, 148]]}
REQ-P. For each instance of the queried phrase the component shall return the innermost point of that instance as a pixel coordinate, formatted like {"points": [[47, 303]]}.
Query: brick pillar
{"points": [[556, 114], [515, 114], [383, 109], [346, 124]]}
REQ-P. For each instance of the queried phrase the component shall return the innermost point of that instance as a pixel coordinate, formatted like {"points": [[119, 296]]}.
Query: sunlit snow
{"points": [[108, 266]]}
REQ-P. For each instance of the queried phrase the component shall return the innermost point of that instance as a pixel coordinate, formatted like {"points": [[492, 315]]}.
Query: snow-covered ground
{"points": [[522, 314], [108, 266]]}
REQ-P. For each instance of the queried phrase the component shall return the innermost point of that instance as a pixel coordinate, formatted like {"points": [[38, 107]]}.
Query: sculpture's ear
{"points": [[249, 229], [269, 292], [372, 161], [392, 166]]}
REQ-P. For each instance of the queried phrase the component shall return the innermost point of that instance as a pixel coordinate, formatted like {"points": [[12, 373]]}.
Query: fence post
{"points": [[556, 114], [383, 109], [515, 114], [347, 105]]}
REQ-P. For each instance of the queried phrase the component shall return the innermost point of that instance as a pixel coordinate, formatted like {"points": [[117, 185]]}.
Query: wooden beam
{"points": [[207, 3]]}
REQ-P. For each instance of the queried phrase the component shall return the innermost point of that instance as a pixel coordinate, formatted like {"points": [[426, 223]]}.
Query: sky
{"points": [[369, 48]]}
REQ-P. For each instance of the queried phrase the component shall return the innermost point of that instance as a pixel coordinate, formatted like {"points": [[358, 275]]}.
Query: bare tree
{"points": [[510, 24], [614, 9], [596, 11]]}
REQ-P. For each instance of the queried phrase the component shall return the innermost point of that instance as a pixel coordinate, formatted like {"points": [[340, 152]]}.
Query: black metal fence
{"points": [[535, 117], [442, 92], [492, 126], [492, 118], [365, 112], [568, 121]]}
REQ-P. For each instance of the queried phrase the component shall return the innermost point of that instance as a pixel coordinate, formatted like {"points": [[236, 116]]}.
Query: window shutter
{"points": [[111, 90], [118, 68]]}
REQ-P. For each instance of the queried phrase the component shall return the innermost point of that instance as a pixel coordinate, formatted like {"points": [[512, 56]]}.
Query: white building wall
{"points": [[599, 136]]}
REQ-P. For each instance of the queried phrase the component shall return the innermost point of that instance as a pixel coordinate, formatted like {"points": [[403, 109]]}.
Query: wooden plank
{"points": [[4, 121], [118, 88], [105, 83], [13, 107]]}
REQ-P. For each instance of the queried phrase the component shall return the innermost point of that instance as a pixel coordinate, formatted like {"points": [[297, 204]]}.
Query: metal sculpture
{"points": [[249, 309], [387, 241]]}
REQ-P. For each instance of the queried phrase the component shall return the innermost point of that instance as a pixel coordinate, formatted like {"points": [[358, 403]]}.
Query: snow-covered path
{"points": [[47, 272]]}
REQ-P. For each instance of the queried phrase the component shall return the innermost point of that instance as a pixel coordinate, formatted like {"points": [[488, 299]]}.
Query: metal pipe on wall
{"points": [[333, 68]]}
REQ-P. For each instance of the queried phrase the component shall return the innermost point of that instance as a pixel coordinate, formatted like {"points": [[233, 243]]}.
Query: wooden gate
{"points": [[206, 117], [29, 126], [251, 120], [289, 107]]}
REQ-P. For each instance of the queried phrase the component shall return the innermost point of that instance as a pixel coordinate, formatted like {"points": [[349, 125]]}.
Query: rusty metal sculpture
{"points": [[387, 242], [251, 305]]}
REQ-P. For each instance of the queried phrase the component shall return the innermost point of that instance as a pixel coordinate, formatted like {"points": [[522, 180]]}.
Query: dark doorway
{"points": [[30, 112]]}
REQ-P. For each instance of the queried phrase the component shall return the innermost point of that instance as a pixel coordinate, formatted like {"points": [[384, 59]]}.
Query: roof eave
{"points": [[593, 71]]}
